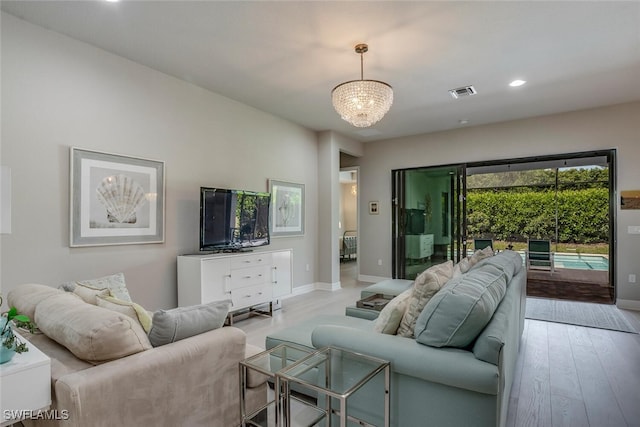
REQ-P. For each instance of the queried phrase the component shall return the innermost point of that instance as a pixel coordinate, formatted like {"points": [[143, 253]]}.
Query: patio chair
{"points": [[539, 255], [479, 244]]}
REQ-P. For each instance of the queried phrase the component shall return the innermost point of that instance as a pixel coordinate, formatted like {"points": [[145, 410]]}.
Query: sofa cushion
{"points": [[115, 283], [183, 322], [459, 312], [391, 315], [425, 286], [388, 287], [90, 294], [510, 262], [131, 309], [91, 333], [300, 333], [27, 296]]}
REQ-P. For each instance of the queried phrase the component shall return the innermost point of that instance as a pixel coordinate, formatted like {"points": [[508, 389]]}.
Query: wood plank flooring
{"points": [[566, 375]]}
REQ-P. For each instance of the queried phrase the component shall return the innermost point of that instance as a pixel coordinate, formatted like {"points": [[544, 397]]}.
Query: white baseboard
{"points": [[371, 279], [304, 289], [628, 304], [328, 286], [318, 286]]}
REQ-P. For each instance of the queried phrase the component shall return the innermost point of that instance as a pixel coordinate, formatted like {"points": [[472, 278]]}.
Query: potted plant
{"points": [[10, 343]]}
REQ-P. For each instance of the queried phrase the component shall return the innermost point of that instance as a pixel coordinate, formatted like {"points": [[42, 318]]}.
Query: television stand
{"points": [[249, 312], [250, 280]]}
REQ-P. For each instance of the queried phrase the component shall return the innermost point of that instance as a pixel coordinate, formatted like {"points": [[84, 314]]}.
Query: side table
{"points": [[338, 375], [268, 363], [25, 385]]}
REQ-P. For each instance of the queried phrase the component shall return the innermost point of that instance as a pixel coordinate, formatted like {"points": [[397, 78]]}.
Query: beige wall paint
{"points": [[601, 128], [58, 93]]}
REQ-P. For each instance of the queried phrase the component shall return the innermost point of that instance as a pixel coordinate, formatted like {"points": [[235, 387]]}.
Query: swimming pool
{"points": [[578, 261], [574, 261], [581, 262]]}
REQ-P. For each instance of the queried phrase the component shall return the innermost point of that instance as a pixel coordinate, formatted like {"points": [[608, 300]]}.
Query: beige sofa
{"points": [[190, 382]]}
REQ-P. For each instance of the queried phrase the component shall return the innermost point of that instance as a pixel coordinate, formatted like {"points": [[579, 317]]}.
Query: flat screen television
{"points": [[233, 220]]}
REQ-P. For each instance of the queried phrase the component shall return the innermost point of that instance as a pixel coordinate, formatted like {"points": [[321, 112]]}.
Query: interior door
{"points": [[428, 218]]}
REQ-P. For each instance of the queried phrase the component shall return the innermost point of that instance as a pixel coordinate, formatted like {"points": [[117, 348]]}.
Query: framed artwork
{"points": [[630, 199], [373, 208], [115, 199], [287, 208]]}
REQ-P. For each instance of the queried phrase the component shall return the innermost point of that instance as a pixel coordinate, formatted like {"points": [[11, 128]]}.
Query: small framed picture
{"points": [[373, 208]]}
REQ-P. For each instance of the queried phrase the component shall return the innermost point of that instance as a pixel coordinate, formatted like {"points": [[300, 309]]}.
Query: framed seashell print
{"points": [[115, 199]]}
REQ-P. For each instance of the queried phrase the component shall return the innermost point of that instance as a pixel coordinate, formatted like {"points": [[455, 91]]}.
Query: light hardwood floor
{"points": [[566, 375]]}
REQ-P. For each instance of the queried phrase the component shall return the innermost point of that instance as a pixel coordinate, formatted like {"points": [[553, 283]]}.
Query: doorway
{"points": [[428, 218], [566, 202], [348, 226]]}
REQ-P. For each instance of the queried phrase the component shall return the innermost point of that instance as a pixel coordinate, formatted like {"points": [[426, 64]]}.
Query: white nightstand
{"points": [[25, 385]]}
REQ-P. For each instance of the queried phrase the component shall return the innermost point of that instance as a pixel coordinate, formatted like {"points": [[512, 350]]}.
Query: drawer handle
{"points": [[247, 277], [247, 296]]}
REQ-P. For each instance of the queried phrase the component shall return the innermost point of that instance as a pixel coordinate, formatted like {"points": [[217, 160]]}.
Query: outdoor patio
{"points": [[572, 284]]}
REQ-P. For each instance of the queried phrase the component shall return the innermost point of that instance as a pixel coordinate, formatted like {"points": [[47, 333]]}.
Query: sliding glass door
{"points": [[428, 218]]}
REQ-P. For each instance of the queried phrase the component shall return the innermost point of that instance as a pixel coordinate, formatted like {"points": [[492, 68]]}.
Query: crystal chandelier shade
{"points": [[362, 102]]}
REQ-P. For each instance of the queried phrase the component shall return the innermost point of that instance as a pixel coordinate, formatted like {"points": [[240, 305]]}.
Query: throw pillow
{"points": [[391, 315], [183, 322], [467, 263], [131, 309], [459, 312], [90, 294], [425, 286], [115, 283], [91, 333]]}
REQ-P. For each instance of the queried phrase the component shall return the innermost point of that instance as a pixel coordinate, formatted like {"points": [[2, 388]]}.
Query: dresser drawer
{"points": [[250, 276], [245, 261], [252, 295]]}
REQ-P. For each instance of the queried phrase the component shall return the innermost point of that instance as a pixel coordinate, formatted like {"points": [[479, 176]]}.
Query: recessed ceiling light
{"points": [[517, 83], [112, 1], [463, 121]]}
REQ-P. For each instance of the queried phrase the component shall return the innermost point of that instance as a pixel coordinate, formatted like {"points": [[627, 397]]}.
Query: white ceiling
{"points": [[285, 57]]}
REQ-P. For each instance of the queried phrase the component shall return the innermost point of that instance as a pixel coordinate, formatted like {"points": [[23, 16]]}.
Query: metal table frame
{"points": [[289, 376]]}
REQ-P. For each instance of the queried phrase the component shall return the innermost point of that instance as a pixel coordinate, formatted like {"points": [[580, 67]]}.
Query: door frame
{"points": [[610, 154]]}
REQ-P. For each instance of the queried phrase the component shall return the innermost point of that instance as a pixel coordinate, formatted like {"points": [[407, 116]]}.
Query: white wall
{"points": [[348, 208], [58, 93], [601, 128]]}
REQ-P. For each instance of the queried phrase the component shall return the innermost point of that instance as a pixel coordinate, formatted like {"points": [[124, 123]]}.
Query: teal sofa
{"points": [[436, 385]]}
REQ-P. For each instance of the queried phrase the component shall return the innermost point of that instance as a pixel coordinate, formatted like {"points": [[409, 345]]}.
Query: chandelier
{"points": [[362, 102]]}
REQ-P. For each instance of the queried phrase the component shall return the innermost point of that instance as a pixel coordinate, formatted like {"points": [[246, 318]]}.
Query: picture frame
{"points": [[630, 199], [115, 199], [373, 208], [287, 208]]}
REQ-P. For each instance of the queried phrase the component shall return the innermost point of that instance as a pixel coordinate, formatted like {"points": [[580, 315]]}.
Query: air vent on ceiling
{"points": [[463, 91]]}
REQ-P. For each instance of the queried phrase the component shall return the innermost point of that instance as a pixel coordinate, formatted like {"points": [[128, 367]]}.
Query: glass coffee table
{"points": [[268, 363], [335, 374]]}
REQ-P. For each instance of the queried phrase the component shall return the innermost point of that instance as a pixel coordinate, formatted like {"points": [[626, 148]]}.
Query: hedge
{"points": [[583, 215]]}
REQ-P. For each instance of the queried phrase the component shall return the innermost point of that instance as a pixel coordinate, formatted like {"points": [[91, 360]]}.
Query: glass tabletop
{"points": [[334, 370], [274, 360]]}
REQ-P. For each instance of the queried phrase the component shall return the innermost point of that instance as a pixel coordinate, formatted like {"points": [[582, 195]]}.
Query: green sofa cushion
{"points": [[462, 308], [510, 262]]}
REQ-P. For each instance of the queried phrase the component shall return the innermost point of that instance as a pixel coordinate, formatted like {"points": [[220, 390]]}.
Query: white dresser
{"points": [[247, 279], [25, 385], [419, 246]]}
